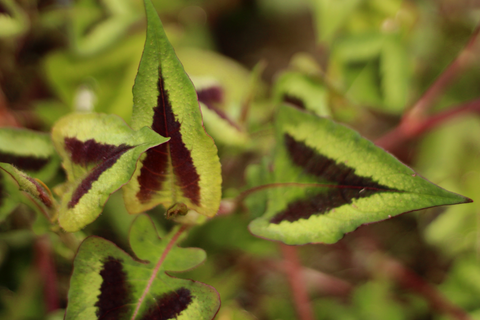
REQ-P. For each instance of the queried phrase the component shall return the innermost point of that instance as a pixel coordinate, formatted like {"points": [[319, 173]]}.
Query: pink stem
{"points": [[407, 130], [46, 266], [411, 281], [155, 271], [416, 120], [293, 270], [463, 59]]}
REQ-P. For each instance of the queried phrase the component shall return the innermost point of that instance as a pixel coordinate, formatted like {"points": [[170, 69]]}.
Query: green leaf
{"points": [[99, 154], [186, 169], [395, 75], [25, 155], [29, 151], [109, 76], [330, 181], [302, 91], [13, 20], [216, 120], [331, 15], [375, 69], [9, 194], [95, 26], [35, 190], [107, 283]]}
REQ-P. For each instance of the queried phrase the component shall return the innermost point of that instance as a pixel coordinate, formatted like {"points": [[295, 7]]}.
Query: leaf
{"points": [[99, 154], [331, 15], [109, 74], [217, 122], [395, 75], [34, 189], [376, 70], [28, 151], [13, 20], [107, 283], [9, 195], [338, 181], [186, 169], [98, 24], [303, 92]]}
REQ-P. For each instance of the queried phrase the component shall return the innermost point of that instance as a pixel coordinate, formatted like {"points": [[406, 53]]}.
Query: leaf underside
{"points": [[329, 181], [109, 284], [186, 170], [99, 154]]}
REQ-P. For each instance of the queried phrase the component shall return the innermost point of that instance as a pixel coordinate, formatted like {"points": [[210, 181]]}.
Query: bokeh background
{"points": [[364, 62]]}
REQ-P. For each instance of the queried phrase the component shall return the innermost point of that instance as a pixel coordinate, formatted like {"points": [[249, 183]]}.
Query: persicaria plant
{"points": [[321, 181]]}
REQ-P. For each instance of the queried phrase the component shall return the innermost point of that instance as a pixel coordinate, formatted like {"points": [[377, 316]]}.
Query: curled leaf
{"points": [[99, 154]]}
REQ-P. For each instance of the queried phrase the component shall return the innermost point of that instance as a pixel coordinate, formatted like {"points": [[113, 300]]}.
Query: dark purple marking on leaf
{"points": [[169, 305], [114, 298], [27, 163], [42, 193], [86, 183], [155, 165], [350, 186], [213, 94], [87, 152], [294, 101], [211, 97]]}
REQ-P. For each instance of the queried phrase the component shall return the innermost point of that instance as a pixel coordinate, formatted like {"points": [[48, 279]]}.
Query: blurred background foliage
{"points": [[362, 62]]}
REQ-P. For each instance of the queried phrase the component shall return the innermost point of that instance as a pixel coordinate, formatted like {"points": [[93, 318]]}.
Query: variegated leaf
{"points": [[186, 170]]}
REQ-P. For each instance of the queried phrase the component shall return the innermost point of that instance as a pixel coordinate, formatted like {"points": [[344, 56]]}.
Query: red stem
{"points": [[411, 281], [416, 121], [463, 59], [293, 270], [46, 266], [155, 271], [409, 130]]}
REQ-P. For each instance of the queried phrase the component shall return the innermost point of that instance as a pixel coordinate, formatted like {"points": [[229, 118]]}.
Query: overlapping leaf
{"points": [[186, 170], [109, 284], [24, 156], [99, 154], [33, 188], [217, 122], [332, 181]]}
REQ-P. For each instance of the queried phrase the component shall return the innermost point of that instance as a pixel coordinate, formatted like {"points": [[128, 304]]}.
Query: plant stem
{"points": [[411, 281], [46, 266], [155, 271], [464, 58], [409, 130], [293, 270], [416, 121]]}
